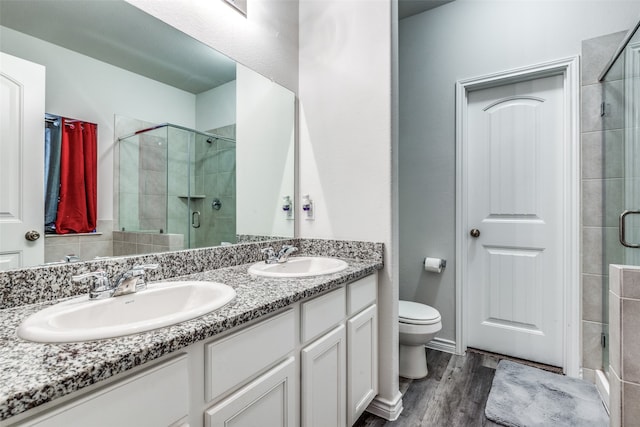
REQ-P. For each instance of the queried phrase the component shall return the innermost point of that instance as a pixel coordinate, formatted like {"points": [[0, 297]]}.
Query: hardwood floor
{"points": [[453, 394]]}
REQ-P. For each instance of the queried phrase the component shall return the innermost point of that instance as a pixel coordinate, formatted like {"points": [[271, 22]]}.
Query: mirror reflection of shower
{"points": [[176, 189]]}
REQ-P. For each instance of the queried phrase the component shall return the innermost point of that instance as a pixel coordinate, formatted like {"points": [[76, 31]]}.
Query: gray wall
{"points": [[459, 40]]}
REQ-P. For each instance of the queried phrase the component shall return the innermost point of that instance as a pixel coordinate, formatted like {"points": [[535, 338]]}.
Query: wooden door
{"points": [[515, 141], [22, 94]]}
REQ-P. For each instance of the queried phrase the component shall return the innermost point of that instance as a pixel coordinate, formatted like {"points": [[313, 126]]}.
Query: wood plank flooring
{"points": [[453, 394]]}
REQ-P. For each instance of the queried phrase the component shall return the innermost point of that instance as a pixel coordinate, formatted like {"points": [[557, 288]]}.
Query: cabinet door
{"points": [[154, 397], [269, 401], [323, 371], [362, 362]]}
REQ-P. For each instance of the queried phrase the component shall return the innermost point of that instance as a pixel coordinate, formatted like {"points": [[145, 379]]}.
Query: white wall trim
{"points": [[440, 344], [388, 409], [569, 68]]}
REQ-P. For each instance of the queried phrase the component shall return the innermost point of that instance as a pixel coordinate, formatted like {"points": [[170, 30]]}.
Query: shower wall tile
{"points": [[590, 108], [211, 163], [594, 240], [591, 350], [630, 324], [155, 182], [613, 96], [602, 202], [630, 282], [589, 375], [227, 184], [596, 53], [152, 224], [592, 300], [153, 159], [92, 249], [611, 93], [227, 160], [615, 333], [603, 154], [58, 252], [624, 315], [615, 399], [630, 406]]}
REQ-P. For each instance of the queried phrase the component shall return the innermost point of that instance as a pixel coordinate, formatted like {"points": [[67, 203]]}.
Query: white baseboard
{"points": [[602, 384], [387, 409], [443, 345]]}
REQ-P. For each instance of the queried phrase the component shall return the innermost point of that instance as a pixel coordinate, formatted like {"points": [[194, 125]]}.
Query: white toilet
{"points": [[419, 323]]}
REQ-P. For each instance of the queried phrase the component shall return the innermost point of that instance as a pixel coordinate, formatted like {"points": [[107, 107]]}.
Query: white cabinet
{"points": [[313, 364], [339, 370], [269, 401], [154, 397], [232, 361], [323, 376], [362, 362]]}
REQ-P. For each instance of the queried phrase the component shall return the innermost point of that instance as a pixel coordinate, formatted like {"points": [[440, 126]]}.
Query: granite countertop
{"points": [[34, 373]]}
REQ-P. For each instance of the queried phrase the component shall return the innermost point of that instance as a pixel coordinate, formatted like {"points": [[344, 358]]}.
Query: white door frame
{"points": [[570, 251]]}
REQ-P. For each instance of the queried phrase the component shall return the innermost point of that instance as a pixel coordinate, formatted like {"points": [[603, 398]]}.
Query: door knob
{"points": [[32, 235], [474, 232]]}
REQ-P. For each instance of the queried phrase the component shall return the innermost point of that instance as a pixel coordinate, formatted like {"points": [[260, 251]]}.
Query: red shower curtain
{"points": [[77, 204]]}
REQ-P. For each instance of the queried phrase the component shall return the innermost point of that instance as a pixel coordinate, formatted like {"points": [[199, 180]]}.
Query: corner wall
{"points": [[345, 156], [463, 39]]}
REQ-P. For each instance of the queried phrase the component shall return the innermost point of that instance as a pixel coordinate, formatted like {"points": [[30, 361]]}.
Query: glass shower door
{"points": [[630, 225], [182, 212]]}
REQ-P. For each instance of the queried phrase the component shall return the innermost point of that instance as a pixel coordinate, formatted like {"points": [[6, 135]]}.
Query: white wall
{"points": [[265, 41], [459, 40], [345, 159], [83, 88], [216, 107], [265, 154]]}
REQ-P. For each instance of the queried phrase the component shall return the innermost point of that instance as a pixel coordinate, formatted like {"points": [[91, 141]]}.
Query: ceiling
{"points": [[408, 8], [120, 34]]}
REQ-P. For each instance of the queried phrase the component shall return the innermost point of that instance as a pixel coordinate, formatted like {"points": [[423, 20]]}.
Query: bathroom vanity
{"points": [[285, 352]]}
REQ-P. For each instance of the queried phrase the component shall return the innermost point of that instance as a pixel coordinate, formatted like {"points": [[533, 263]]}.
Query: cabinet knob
{"points": [[475, 233]]}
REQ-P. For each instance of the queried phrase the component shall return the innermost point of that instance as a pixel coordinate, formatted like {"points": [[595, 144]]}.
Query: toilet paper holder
{"points": [[435, 265]]}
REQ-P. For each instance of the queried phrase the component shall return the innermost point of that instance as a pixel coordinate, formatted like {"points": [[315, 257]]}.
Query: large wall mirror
{"points": [[193, 149]]}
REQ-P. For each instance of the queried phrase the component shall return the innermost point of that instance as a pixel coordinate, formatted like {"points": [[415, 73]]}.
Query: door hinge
{"points": [[603, 340]]}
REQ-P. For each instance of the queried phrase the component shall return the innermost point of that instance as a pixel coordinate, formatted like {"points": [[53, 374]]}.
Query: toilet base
{"points": [[413, 361]]}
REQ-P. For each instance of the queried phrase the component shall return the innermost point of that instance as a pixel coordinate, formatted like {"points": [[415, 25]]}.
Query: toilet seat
{"points": [[414, 313]]}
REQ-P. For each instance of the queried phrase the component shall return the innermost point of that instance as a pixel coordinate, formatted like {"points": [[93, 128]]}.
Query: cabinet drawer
{"points": [[154, 397], [362, 293], [322, 313], [232, 361], [268, 401]]}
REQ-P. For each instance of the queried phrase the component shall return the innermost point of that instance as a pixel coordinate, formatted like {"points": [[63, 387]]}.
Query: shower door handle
{"points": [[195, 219], [622, 229]]}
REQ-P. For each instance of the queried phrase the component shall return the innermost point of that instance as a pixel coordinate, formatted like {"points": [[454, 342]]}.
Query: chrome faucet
{"points": [[128, 282], [270, 256]]}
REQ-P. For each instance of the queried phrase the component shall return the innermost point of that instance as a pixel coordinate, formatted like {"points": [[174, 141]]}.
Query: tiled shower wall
{"points": [[602, 192], [216, 179], [624, 372], [86, 246]]}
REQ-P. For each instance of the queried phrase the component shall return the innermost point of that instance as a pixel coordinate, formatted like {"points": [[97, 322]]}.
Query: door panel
{"points": [[515, 145], [22, 92]]}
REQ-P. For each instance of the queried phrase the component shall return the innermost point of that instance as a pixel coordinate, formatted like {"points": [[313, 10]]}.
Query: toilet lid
{"points": [[416, 313]]}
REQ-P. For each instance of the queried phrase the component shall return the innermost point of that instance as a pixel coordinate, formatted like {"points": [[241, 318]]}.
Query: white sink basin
{"points": [[161, 304], [299, 267]]}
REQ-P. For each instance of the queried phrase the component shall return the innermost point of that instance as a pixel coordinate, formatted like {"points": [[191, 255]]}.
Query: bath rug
{"points": [[523, 396]]}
